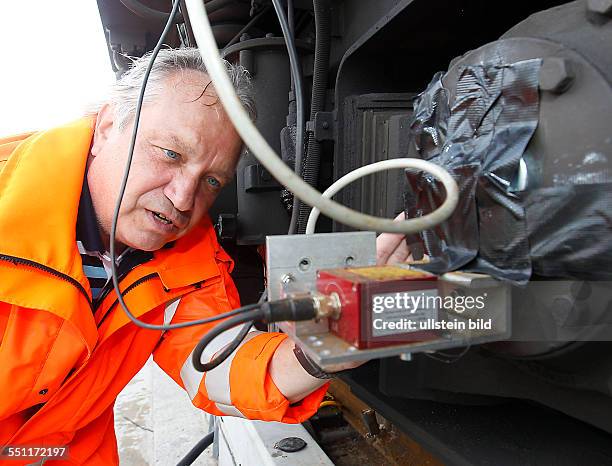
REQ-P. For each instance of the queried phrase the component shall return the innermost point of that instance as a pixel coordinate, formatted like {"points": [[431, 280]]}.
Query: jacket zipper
{"points": [[138, 282], [62, 276]]}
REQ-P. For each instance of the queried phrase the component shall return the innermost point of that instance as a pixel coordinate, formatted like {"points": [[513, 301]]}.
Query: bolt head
{"points": [[290, 444], [601, 7], [556, 75]]}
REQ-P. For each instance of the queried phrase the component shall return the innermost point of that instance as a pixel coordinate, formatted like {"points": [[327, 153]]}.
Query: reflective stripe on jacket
{"points": [[61, 364]]}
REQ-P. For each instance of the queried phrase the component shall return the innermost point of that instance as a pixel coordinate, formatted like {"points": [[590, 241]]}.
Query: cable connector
{"points": [[302, 307], [294, 309], [327, 305]]}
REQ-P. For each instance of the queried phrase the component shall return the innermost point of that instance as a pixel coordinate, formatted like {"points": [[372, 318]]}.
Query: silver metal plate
{"points": [[293, 261]]}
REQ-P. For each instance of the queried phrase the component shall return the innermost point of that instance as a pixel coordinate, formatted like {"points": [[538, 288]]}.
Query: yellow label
{"points": [[388, 272]]}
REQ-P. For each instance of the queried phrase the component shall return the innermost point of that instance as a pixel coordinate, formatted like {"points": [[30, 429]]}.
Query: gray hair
{"points": [[124, 93]]}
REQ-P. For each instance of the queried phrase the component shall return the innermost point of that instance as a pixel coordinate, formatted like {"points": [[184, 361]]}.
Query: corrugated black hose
{"points": [[310, 171]]}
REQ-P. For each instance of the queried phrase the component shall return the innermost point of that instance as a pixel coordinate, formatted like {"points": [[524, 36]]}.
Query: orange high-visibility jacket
{"points": [[61, 365]]}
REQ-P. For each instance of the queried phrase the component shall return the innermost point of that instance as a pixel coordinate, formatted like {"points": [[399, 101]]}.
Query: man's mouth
{"points": [[163, 218]]}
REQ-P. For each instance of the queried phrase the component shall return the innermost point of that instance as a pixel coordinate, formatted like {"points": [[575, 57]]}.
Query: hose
{"points": [[322, 14], [296, 78], [417, 164], [270, 160], [197, 450]]}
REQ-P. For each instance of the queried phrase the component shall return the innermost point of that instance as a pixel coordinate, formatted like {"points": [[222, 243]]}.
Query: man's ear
{"points": [[104, 126]]}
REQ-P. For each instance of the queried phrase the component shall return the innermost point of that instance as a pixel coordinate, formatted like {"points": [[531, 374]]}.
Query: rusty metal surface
{"points": [[396, 447]]}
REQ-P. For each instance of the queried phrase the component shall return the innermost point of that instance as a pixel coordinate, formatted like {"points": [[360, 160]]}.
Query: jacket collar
{"points": [[40, 188]]}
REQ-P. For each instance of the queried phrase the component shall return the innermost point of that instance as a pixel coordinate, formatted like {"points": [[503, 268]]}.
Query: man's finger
{"points": [[401, 254], [387, 243]]}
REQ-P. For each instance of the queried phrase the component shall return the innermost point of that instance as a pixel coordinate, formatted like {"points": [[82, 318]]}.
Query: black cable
{"points": [[247, 26], [290, 18], [289, 309], [322, 13], [235, 343], [113, 231], [197, 450], [448, 358], [296, 75], [229, 349], [196, 358]]}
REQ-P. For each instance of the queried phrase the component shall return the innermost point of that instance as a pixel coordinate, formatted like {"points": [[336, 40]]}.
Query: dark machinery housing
{"points": [[521, 114]]}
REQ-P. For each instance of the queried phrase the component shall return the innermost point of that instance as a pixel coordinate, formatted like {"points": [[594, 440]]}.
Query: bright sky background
{"points": [[53, 62]]}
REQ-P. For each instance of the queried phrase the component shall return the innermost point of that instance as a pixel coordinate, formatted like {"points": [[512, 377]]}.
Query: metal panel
{"points": [[293, 260], [252, 443]]}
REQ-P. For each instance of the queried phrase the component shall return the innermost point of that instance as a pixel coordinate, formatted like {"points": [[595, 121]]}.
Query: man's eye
{"points": [[171, 154], [213, 182]]}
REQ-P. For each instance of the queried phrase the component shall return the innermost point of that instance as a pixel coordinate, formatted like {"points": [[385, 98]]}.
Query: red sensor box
{"points": [[382, 305]]}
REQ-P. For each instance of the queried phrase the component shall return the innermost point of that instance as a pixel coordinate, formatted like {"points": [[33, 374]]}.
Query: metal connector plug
{"points": [[327, 305]]}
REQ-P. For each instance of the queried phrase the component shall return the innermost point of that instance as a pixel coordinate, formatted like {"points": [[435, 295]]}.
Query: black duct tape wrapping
{"points": [[479, 138], [570, 231]]}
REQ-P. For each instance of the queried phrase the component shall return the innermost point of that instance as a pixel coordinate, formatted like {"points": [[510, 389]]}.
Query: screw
{"points": [[287, 278], [325, 125], [304, 264], [556, 75], [600, 7], [350, 260], [270, 35], [244, 37]]}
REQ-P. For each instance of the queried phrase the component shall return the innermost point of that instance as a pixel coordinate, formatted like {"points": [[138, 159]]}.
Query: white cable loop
{"points": [[270, 160], [417, 164]]}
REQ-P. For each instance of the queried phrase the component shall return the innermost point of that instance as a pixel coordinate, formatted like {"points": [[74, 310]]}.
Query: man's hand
{"points": [[391, 248]]}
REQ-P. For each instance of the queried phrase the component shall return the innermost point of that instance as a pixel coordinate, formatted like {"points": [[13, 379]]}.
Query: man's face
{"points": [[186, 151]]}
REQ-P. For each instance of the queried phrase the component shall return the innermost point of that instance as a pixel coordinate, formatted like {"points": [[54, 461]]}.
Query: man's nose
{"points": [[182, 191]]}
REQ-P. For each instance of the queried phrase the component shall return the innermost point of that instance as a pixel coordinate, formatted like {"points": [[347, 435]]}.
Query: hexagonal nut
{"points": [[556, 74], [601, 7]]}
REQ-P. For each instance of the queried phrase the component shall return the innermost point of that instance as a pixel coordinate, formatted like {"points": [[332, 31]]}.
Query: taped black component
{"points": [[570, 231], [479, 139]]}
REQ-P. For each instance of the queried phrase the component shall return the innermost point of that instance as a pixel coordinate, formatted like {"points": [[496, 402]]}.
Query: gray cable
{"points": [[296, 75]]}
